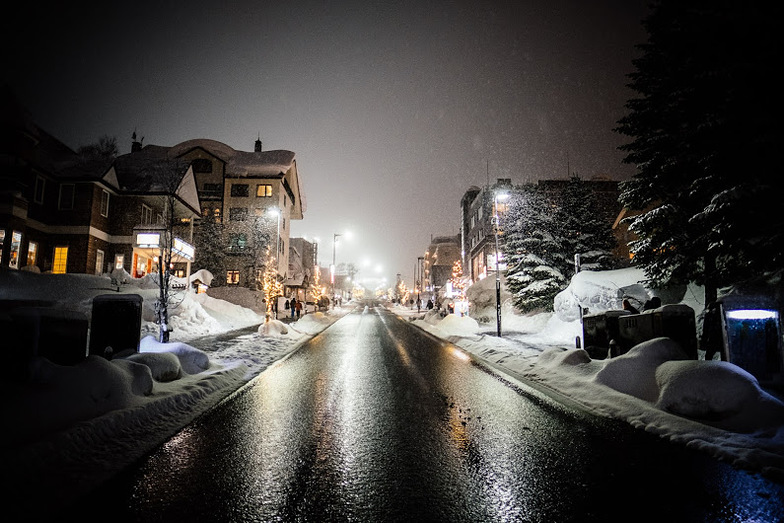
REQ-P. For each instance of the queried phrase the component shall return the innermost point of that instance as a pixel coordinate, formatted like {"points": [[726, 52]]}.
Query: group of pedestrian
{"points": [[295, 306]]}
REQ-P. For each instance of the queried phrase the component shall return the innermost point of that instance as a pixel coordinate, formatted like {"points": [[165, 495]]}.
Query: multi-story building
{"points": [[302, 268], [477, 208], [253, 196], [65, 212], [439, 261], [480, 205]]}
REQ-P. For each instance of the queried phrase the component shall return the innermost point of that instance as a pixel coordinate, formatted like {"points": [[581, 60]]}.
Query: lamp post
{"points": [[335, 237], [496, 198]]}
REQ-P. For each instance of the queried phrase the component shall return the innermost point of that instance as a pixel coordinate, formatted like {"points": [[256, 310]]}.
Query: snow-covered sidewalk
{"points": [[711, 405]]}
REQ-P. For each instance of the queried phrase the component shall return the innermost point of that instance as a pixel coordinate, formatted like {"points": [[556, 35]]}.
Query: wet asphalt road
{"points": [[375, 421]]}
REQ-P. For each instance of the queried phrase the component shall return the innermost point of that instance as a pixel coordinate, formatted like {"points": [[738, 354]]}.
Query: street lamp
{"points": [[496, 198], [332, 268]]}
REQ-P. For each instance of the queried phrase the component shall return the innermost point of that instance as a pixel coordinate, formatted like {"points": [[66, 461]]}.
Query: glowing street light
{"points": [[496, 198], [332, 267]]}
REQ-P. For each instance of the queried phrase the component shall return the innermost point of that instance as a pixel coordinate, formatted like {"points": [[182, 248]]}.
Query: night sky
{"points": [[393, 108]]}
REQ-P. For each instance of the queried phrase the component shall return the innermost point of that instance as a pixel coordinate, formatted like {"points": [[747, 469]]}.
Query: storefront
{"points": [[147, 249]]}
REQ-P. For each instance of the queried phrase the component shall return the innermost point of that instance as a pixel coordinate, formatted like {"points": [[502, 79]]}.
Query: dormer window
{"points": [[202, 165]]}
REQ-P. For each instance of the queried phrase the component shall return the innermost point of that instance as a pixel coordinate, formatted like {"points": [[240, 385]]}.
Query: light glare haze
{"points": [[393, 109]]}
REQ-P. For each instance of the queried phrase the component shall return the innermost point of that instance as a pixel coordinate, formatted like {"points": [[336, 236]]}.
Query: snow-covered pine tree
{"points": [[705, 128], [582, 229], [532, 251], [210, 247]]}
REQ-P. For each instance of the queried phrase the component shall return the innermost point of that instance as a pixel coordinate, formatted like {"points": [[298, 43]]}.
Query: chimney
{"points": [[257, 148], [136, 146]]}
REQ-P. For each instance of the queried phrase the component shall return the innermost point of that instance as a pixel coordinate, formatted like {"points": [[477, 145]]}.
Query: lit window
{"points": [[119, 260], [105, 203], [99, 255], [32, 253], [263, 190], [16, 246], [60, 260], [233, 277], [2, 243], [66, 196]]}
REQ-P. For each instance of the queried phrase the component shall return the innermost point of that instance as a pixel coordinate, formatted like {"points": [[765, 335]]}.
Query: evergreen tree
{"points": [[705, 129], [582, 229], [533, 251], [211, 250]]}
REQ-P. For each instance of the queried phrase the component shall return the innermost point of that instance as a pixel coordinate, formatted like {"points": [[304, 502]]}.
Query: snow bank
{"points": [[312, 323], [600, 291], [273, 328]]}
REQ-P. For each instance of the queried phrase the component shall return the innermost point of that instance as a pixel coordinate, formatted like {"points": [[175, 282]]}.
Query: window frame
{"points": [[32, 253], [105, 203], [40, 189], [60, 259], [239, 190], [61, 203]]}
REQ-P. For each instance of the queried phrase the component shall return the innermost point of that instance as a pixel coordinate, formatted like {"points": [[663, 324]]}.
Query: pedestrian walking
{"points": [[294, 304], [298, 307]]}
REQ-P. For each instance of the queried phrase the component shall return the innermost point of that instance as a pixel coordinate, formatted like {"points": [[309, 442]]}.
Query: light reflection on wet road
{"points": [[373, 420]]}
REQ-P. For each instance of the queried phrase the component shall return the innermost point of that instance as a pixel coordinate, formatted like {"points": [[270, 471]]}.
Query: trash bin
{"points": [[115, 326], [671, 321], [752, 332], [56, 334], [598, 330]]}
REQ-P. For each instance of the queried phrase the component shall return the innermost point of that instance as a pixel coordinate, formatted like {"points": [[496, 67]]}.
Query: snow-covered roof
{"points": [[238, 163]]}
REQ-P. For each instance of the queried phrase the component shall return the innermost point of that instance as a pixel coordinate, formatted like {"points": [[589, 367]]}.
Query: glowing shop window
{"points": [[233, 277], [32, 253], [60, 260], [16, 245]]}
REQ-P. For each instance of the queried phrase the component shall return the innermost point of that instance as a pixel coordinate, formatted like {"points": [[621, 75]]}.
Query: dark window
{"points": [[238, 214], [239, 189], [213, 188], [202, 165], [105, 204], [66, 196], [39, 189]]}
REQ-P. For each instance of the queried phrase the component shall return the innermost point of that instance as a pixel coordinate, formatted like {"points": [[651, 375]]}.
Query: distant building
{"points": [[253, 195], [477, 211], [439, 261], [478, 238], [302, 268]]}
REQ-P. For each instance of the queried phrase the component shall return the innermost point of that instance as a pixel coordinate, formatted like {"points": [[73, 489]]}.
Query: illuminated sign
{"points": [[148, 239], [183, 249], [751, 314]]}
